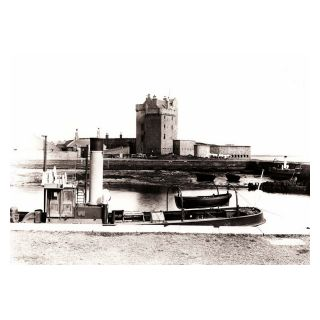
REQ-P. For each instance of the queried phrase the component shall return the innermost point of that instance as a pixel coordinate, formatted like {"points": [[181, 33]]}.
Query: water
{"points": [[279, 209], [290, 158]]}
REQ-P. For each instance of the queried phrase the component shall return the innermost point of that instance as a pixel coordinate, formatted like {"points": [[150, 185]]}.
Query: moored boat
{"points": [[202, 176], [285, 172], [229, 216], [232, 177], [189, 202]]}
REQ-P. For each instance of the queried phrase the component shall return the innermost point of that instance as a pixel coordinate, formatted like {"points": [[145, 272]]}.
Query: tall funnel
{"points": [[96, 170]]}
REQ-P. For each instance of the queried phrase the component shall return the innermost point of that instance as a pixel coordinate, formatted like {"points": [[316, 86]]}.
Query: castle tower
{"points": [[156, 125]]}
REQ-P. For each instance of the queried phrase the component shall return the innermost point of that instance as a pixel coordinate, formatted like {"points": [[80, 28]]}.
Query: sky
{"points": [[239, 78]]}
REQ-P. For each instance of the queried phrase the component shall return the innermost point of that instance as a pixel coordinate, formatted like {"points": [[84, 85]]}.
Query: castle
{"points": [[156, 125], [156, 134]]}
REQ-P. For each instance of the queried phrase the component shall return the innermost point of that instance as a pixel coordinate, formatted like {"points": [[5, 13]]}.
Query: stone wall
{"points": [[232, 150], [152, 129], [112, 143], [183, 147], [202, 150]]}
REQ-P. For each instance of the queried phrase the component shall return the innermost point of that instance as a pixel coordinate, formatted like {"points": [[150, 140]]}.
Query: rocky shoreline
{"points": [[136, 178]]}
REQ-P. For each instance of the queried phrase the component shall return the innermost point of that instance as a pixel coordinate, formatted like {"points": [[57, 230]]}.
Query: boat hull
{"points": [[232, 177], [202, 177], [283, 174], [202, 201], [230, 216]]}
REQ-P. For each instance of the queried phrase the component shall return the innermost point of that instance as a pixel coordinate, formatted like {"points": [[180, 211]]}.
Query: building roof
{"points": [[203, 144], [228, 145], [184, 140], [81, 142]]}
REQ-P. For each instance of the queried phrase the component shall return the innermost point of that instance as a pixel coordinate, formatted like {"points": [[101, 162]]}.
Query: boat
{"points": [[285, 186], [217, 217], [57, 210], [61, 206], [202, 176], [210, 201], [253, 186], [232, 177], [284, 173]]}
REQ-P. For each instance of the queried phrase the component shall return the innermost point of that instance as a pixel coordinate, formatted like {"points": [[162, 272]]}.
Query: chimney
{"points": [[76, 135], [96, 170], [106, 140], [120, 135]]}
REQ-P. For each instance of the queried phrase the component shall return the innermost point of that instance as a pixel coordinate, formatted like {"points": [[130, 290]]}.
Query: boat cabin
{"points": [[63, 199], [59, 201]]}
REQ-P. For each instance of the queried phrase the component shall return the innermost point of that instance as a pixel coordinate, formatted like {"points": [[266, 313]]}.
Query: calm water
{"points": [[279, 209]]}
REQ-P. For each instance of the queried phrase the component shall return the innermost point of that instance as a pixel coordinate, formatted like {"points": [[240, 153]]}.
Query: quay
{"points": [[83, 244], [84, 226]]}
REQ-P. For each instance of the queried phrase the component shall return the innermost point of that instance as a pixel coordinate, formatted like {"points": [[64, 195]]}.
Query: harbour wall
{"points": [[245, 166]]}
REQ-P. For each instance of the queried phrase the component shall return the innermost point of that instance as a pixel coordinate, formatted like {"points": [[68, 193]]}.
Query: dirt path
{"points": [[36, 247]]}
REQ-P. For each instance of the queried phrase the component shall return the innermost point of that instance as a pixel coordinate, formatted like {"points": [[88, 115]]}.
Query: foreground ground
{"points": [[39, 247]]}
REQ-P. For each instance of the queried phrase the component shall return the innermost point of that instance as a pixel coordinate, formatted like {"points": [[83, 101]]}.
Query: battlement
{"points": [[158, 106]]}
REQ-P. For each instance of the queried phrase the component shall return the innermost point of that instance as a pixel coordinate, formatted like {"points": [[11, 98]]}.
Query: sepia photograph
{"points": [[160, 147]]}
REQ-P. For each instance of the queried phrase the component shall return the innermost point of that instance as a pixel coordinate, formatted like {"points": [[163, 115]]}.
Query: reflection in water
{"points": [[279, 209]]}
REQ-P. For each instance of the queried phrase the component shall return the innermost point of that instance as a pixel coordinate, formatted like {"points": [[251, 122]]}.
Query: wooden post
{"points": [[86, 174], [45, 154]]}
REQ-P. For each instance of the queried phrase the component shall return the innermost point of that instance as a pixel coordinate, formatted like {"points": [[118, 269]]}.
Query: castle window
{"points": [[164, 126], [164, 136]]}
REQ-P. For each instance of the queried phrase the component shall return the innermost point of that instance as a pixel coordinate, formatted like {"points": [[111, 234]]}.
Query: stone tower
{"points": [[156, 125]]}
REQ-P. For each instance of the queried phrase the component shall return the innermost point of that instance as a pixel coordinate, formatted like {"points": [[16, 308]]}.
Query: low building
{"points": [[183, 147], [202, 150], [76, 144], [232, 151], [119, 152], [112, 143]]}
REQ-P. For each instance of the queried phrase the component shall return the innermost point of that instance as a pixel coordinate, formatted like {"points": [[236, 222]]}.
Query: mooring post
{"points": [[105, 214]]}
